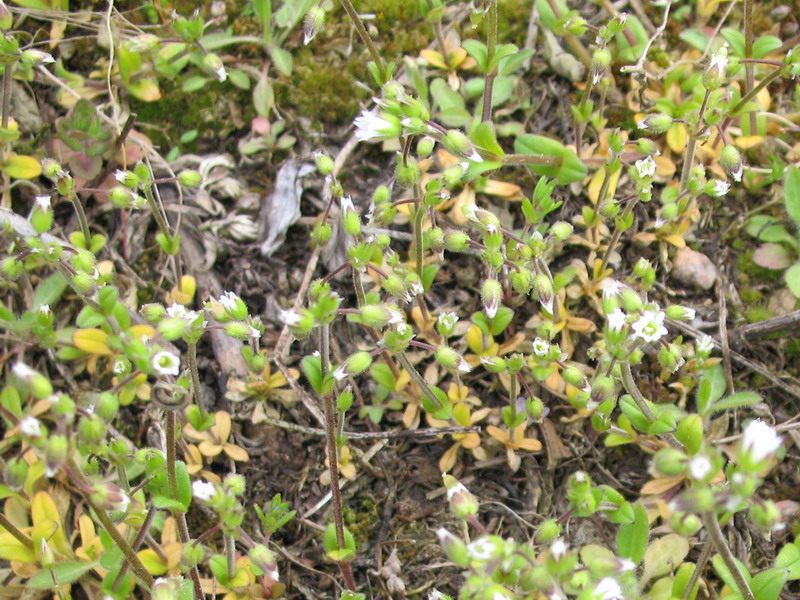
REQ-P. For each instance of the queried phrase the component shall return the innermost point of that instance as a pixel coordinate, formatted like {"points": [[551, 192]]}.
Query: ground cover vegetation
{"points": [[490, 300]]}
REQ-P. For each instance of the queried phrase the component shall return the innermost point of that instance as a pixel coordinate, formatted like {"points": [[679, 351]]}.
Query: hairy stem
{"points": [[633, 390], [715, 533], [362, 33], [491, 46], [12, 529]]}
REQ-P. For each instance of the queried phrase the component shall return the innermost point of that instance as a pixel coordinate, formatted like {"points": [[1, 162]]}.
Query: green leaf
{"points": [[263, 10], [570, 169], [500, 53], [634, 413], [239, 78], [694, 38], [791, 191], [737, 400], [773, 256], [712, 386], [792, 276], [632, 538], [765, 44], [381, 373], [184, 484], [166, 503], [282, 59], [769, 229], [49, 290], [511, 63], [445, 97], [484, 137], [194, 83], [263, 97], [477, 50], [312, 368], [501, 320], [768, 584], [789, 558], [60, 574], [664, 555], [722, 570], [736, 40]]}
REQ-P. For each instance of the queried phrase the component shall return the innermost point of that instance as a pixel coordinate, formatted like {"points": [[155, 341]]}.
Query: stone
{"points": [[694, 268]]}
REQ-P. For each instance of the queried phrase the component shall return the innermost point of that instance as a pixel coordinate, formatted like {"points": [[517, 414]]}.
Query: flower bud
{"points": [[153, 312], [110, 497], [407, 171], [690, 433], [38, 385], [575, 377], [446, 324], [107, 405], [714, 75], [354, 365], [456, 241], [561, 230], [55, 453], [212, 64], [717, 188], [142, 44], [454, 547], [166, 588], [647, 147], [91, 430], [263, 558], [543, 288], [521, 281], [11, 268], [42, 214], [494, 364], [548, 531], [189, 178], [313, 23], [630, 299], [15, 472], [300, 322], [192, 554], [425, 146], [6, 18], [459, 144], [680, 313], [730, 159], [321, 234], [670, 357], [234, 483], [128, 179], [462, 503], [491, 296], [325, 164], [686, 525], [656, 123], [452, 176], [766, 515], [601, 58], [379, 315], [669, 462], [447, 357]]}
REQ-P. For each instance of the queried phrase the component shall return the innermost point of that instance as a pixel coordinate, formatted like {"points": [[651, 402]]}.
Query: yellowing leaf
{"points": [[145, 90], [236, 453], [677, 138], [152, 562], [448, 460], [675, 240], [746, 142], [44, 511], [12, 549], [434, 58], [18, 166], [91, 341], [659, 485], [142, 330], [498, 434], [209, 448], [184, 292], [502, 189], [240, 579], [222, 425], [597, 183]]}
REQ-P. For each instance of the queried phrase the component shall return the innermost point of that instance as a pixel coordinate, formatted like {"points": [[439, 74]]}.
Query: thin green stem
{"points": [[418, 379], [362, 33], [160, 220], [491, 46], [698, 570], [195, 375], [749, 68], [617, 233], [715, 533], [84, 222], [148, 520], [531, 159], [690, 147], [171, 476], [7, 78], [633, 390]]}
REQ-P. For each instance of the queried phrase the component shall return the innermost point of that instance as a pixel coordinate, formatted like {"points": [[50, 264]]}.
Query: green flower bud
{"points": [[574, 376], [263, 558], [36, 383], [354, 365], [452, 176], [630, 300], [407, 172], [6, 17], [669, 211], [543, 289], [521, 281], [670, 462], [189, 178], [684, 524], [11, 268], [714, 75], [534, 408], [680, 313], [42, 215], [670, 357], [52, 169], [110, 497], [425, 146], [576, 25], [166, 589], [601, 58], [380, 315], [690, 433], [325, 164], [235, 483], [454, 548], [548, 531], [107, 405], [447, 357], [128, 179], [656, 123], [766, 515], [153, 312], [351, 221], [91, 430], [462, 503], [646, 146], [212, 64], [456, 241], [494, 364], [321, 234], [192, 554], [15, 473], [313, 23], [459, 144], [730, 159], [435, 237], [83, 261], [561, 230], [55, 453], [240, 331], [491, 296], [121, 197]]}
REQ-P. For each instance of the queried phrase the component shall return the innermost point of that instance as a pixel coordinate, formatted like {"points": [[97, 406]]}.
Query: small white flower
{"points": [[760, 441], [177, 311], [541, 348], [719, 188], [346, 203], [612, 288], [122, 504], [22, 371], [608, 589], [626, 565], [580, 476], [704, 344], [617, 320], [699, 467], [720, 59], [370, 126], [43, 202], [221, 73], [459, 488], [203, 490], [254, 333], [395, 316], [401, 328], [340, 373], [646, 167], [44, 309], [464, 366], [482, 549], [650, 326], [120, 175], [435, 595], [228, 301], [119, 367], [558, 549], [448, 320], [31, 427], [689, 313], [166, 363], [290, 317]]}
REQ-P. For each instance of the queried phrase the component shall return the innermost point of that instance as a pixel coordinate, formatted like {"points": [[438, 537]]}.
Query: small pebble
{"points": [[694, 268]]}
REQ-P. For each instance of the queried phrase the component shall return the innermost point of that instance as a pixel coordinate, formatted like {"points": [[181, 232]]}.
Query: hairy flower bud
{"points": [[656, 123], [730, 159]]}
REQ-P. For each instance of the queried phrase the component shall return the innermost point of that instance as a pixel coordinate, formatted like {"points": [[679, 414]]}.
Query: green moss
{"points": [[360, 520], [749, 295], [756, 313]]}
